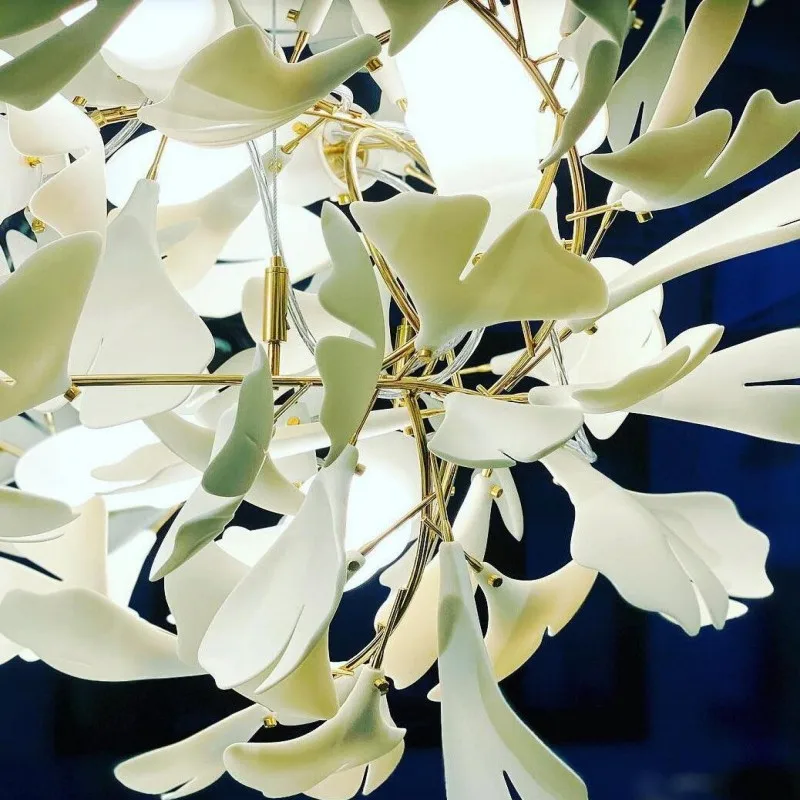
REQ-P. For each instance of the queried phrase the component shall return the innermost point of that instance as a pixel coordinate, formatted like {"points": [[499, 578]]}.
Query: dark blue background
{"points": [[639, 709]]}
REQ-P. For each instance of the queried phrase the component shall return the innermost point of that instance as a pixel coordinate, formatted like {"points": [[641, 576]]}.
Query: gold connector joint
{"points": [[374, 64], [292, 14], [270, 721], [495, 581], [496, 492], [72, 393], [644, 216], [276, 288], [382, 685]]}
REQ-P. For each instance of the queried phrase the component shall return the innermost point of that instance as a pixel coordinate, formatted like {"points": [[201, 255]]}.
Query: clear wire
{"points": [[122, 136]]}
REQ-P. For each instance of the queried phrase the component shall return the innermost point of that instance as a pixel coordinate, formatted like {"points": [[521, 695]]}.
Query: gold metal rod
{"points": [[553, 80], [413, 172], [522, 47], [593, 212], [447, 532], [605, 224], [480, 368], [290, 401], [11, 449], [152, 173], [373, 543], [299, 46]]}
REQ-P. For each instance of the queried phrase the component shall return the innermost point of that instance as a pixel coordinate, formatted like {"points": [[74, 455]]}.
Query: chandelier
{"points": [[355, 423]]}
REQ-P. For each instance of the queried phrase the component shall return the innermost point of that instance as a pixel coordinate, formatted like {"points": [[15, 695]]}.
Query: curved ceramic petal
{"points": [[707, 42], [142, 464], [484, 432], [18, 19], [521, 612], [24, 515], [476, 766], [35, 76], [596, 47], [509, 503], [681, 164], [86, 635], [411, 649], [407, 18], [21, 180], [428, 241], [173, 37], [193, 764], [235, 89], [683, 354], [276, 615], [349, 368], [78, 555], [639, 88], [731, 390], [232, 471], [135, 321], [647, 545], [358, 734], [41, 304]]}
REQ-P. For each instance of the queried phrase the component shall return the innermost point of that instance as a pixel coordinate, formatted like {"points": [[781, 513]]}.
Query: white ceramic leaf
{"points": [[671, 166], [360, 732], [21, 179], [35, 76], [639, 87], [83, 634], [509, 503], [647, 545], [172, 36], [78, 555], [24, 515], [235, 89], [63, 467], [277, 614], [135, 321], [193, 764], [766, 218], [125, 561], [429, 240], [486, 432], [476, 766], [595, 47], [349, 367], [682, 355], [732, 390], [411, 650], [521, 612], [708, 40], [41, 305], [407, 18], [234, 468]]}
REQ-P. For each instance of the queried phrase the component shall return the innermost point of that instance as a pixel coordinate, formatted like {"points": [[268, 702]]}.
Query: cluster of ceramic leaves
{"points": [[97, 473]]}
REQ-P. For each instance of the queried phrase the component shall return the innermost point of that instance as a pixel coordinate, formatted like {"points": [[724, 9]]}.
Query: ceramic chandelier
{"points": [[159, 160]]}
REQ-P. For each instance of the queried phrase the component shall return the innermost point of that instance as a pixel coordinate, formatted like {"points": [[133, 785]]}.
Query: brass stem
{"points": [[299, 46], [367, 548], [11, 449], [152, 173]]}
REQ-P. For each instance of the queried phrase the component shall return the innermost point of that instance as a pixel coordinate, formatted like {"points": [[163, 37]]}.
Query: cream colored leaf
{"points": [[407, 18], [193, 764], [486, 432], [41, 305], [83, 634], [475, 766], [429, 240], [671, 166], [24, 515], [235, 89], [359, 733]]}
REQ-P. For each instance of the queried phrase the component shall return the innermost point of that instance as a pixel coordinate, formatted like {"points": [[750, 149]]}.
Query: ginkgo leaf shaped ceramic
{"points": [[51, 133], [680, 357], [193, 764], [232, 471], [135, 321], [662, 552], [78, 556], [708, 40], [349, 367], [274, 618], [83, 634], [429, 240], [521, 612], [741, 388], [407, 18], [21, 181], [485, 432], [35, 76], [24, 515], [671, 166], [236, 89], [476, 766], [639, 87], [596, 47], [41, 304], [360, 732], [411, 649], [766, 218]]}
